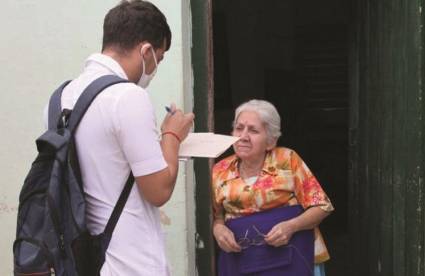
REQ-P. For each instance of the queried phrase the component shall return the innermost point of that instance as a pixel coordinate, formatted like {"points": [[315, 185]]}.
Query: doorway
{"points": [[294, 54]]}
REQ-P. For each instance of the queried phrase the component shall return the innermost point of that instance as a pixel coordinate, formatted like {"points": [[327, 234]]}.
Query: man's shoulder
{"points": [[123, 90]]}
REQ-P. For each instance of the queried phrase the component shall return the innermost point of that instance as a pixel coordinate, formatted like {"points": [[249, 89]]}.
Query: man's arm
{"points": [[158, 187]]}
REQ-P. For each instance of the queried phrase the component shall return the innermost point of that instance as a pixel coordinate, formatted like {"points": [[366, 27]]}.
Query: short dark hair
{"points": [[134, 21]]}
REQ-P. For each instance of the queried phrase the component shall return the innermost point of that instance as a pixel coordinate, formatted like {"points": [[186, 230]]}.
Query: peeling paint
{"points": [[165, 220], [199, 242], [7, 209]]}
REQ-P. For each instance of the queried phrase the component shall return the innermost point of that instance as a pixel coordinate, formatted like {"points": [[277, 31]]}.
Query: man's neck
{"points": [[125, 61]]}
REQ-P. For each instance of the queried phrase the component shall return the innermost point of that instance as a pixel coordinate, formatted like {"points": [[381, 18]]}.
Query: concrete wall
{"points": [[45, 43]]}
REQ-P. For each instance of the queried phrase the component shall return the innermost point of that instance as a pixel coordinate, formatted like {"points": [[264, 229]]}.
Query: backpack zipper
{"points": [[56, 224]]}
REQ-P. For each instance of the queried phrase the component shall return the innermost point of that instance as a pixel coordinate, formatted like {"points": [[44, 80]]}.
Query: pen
{"points": [[168, 109]]}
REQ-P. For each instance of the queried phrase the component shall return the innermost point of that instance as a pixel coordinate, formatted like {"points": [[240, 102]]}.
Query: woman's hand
{"points": [[225, 238], [280, 234]]}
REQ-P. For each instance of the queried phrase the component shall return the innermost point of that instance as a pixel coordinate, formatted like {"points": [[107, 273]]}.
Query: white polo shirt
{"points": [[119, 133]]}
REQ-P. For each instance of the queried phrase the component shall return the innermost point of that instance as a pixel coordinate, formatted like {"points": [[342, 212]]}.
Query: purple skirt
{"points": [[260, 259]]}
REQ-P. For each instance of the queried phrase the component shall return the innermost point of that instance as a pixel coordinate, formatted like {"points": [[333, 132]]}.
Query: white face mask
{"points": [[145, 79]]}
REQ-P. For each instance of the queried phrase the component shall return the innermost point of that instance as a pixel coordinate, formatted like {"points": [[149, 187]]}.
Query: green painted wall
{"points": [[46, 42], [386, 138]]}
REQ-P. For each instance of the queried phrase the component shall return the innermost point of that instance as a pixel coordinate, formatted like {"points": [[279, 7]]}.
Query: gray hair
{"points": [[267, 113]]}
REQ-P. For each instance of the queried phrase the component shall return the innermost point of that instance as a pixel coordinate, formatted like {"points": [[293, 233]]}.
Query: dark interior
{"points": [[293, 53]]}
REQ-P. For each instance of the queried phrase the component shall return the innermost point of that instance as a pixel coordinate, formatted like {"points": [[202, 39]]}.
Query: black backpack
{"points": [[51, 234]]}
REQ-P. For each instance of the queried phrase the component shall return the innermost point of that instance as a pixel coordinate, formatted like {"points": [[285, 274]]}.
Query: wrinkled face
{"points": [[254, 140]]}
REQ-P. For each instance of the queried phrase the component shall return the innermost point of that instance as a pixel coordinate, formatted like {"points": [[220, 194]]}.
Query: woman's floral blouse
{"points": [[284, 180]]}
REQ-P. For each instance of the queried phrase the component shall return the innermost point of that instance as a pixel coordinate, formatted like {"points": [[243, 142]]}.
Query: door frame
{"points": [[203, 89]]}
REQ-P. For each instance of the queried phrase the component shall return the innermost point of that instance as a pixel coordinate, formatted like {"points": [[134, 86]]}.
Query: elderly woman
{"points": [[267, 203]]}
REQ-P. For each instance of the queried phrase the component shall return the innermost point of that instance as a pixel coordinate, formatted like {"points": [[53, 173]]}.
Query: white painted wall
{"points": [[44, 43]]}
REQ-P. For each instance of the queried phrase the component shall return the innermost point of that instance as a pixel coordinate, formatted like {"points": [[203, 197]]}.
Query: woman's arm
{"points": [[225, 237], [222, 234], [282, 232], [310, 196], [309, 219]]}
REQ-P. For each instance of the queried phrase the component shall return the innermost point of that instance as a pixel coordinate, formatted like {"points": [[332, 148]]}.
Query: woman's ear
{"points": [[271, 145]]}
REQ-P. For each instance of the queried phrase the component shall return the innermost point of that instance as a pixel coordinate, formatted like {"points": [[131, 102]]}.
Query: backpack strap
{"points": [[83, 103], [87, 97], [55, 108], [116, 213]]}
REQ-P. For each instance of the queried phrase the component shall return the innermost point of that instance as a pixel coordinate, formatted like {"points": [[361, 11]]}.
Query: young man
{"points": [[118, 135]]}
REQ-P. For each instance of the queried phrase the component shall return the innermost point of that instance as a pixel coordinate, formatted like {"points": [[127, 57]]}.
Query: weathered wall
{"points": [[386, 137]]}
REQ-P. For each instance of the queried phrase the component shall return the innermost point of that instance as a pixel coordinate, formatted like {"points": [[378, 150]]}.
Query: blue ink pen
{"points": [[168, 109]]}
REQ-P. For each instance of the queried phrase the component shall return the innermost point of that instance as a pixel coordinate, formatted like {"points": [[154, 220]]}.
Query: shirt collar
{"points": [[107, 63]]}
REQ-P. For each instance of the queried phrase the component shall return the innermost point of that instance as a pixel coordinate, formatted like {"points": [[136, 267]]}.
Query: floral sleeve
{"points": [[307, 189], [217, 204]]}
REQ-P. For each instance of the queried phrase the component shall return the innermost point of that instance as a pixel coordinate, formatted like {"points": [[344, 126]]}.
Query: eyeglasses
{"points": [[245, 242]]}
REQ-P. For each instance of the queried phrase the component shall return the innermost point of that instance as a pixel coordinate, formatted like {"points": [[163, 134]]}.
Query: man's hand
{"points": [[177, 122]]}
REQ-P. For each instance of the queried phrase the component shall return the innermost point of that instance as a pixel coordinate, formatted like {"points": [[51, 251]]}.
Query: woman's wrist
{"points": [[217, 227], [294, 224], [218, 222]]}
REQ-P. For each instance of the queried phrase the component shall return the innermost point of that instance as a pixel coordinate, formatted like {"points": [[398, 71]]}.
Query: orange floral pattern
{"points": [[284, 180]]}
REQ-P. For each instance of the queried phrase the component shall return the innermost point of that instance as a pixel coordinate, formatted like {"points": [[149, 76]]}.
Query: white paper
{"points": [[205, 144]]}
